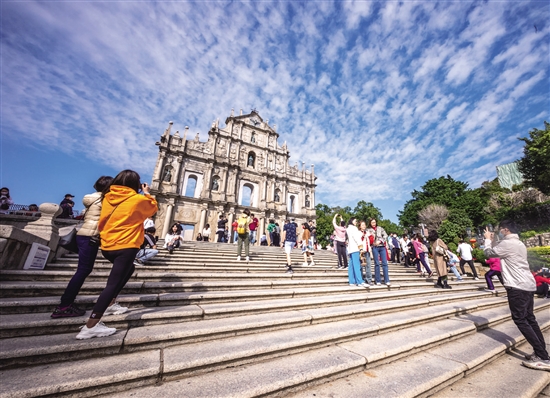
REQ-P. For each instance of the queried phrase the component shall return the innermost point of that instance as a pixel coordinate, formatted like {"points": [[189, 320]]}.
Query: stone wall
{"points": [[538, 240]]}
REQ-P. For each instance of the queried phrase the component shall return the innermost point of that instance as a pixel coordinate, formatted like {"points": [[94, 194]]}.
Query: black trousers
{"points": [[471, 263], [521, 307], [123, 268], [341, 252]]}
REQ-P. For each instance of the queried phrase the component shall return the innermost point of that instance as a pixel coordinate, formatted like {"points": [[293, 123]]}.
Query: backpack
{"points": [[241, 225]]}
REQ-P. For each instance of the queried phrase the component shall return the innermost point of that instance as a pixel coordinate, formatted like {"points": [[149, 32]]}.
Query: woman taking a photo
{"points": [[121, 230]]}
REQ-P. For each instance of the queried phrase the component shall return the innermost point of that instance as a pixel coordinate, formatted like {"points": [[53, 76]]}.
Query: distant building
{"points": [[240, 166], [509, 175]]}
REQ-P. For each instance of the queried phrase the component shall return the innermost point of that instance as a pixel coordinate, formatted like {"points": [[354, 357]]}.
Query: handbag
{"points": [[69, 241]]}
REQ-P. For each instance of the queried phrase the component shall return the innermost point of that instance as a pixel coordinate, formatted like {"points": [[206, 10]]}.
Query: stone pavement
{"points": [[203, 325]]}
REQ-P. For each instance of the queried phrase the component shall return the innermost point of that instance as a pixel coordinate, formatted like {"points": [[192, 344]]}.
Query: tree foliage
{"points": [[362, 211], [535, 164]]}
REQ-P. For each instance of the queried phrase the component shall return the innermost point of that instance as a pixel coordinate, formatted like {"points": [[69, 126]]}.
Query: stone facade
{"points": [[240, 166]]}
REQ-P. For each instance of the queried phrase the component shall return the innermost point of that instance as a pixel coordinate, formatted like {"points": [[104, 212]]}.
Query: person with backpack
{"points": [[270, 231], [243, 234]]}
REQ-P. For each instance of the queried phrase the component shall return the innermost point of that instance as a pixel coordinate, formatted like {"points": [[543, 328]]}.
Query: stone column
{"points": [[261, 230], [167, 218], [229, 224], [202, 221]]}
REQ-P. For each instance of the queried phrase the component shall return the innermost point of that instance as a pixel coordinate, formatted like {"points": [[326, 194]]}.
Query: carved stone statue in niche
{"points": [[215, 184], [307, 201], [250, 160], [253, 138], [233, 152], [276, 197], [271, 141], [167, 175]]}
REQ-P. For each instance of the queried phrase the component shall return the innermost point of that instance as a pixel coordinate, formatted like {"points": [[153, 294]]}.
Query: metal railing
{"points": [[23, 210]]}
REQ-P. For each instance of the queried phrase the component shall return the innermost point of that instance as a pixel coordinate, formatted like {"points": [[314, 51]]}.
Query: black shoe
{"points": [[68, 312], [289, 270], [446, 285], [171, 251]]}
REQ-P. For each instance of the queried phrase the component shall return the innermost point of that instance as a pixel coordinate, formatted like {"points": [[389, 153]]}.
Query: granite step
{"points": [[503, 377], [334, 308], [46, 302], [341, 369]]}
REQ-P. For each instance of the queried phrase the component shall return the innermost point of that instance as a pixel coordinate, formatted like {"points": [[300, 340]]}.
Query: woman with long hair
{"points": [[307, 245], [173, 238], [340, 241], [378, 236], [439, 252], [121, 220], [354, 245], [87, 240], [420, 256]]}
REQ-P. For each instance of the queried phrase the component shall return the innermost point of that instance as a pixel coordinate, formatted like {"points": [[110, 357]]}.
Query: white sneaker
{"points": [[312, 263], [490, 290], [238, 258], [304, 264], [99, 330], [247, 258], [476, 279], [363, 285], [377, 283], [387, 284], [537, 363], [115, 309]]}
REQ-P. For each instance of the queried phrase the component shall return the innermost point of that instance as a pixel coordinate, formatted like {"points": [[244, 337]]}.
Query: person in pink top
{"points": [[340, 241], [494, 265]]}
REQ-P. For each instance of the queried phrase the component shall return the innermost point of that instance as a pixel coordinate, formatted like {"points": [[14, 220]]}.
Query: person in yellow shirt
{"points": [[121, 232]]}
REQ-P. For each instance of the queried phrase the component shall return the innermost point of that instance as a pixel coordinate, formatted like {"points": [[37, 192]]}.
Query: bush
{"points": [[452, 247], [527, 234], [541, 250], [479, 255]]}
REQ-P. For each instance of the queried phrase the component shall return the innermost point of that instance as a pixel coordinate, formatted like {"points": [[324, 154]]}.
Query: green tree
{"points": [[365, 211], [455, 226], [535, 164], [444, 191]]}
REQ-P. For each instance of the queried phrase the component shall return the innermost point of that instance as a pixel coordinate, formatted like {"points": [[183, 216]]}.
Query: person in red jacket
{"points": [[543, 283]]}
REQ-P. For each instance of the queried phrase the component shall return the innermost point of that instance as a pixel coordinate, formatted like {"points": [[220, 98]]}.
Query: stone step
{"points": [[425, 373], [503, 377], [272, 363], [154, 274], [334, 308], [135, 294]]}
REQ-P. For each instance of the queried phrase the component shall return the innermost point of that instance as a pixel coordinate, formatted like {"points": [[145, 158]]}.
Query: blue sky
{"points": [[380, 96]]}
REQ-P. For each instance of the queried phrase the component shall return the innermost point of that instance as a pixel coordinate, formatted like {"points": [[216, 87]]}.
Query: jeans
{"points": [[521, 307], [253, 237], [221, 237], [86, 258], [243, 238], [368, 269], [471, 263], [489, 278], [380, 253], [235, 236], [455, 271], [341, 253], [354, 270], [146, 254], [123, 268]]}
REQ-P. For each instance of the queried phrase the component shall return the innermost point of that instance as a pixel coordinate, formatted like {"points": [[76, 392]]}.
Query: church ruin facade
{"points": [[240, 166]]}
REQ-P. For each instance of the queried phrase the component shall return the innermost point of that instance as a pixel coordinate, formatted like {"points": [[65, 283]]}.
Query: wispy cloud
{"points": [[379, 96]]}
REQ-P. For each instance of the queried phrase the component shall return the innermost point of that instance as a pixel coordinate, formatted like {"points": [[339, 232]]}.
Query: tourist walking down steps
{"points": [[87, 240], [121, 231]]}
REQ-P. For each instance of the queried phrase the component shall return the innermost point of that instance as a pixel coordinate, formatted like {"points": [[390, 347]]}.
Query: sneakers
{"points": [[476, 279], [99, 330], [67, 312], [378, 283], [247, 258], [305, 264], [490, 290], [289, 270], [138, 262], [537, 363], [238, 258], [460, 280], [115, 309], [312, 263], [363, 285], [387, 283], [531, 356]]}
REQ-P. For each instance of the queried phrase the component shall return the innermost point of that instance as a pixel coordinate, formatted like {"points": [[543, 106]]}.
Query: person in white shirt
{"points": [[404, 243], [465, 252], [520, 289], [206, 231]]}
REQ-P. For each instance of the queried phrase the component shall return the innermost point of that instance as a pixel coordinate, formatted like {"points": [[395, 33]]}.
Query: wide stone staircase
{"points": [[204, 325]]}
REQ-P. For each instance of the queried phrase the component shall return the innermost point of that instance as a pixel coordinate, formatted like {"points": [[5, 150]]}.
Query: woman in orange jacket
{"points": [[121, 233]]}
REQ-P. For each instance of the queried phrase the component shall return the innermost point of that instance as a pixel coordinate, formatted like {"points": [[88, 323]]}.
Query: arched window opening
{"points": [[215, 183], [191, 186], [291, 204], [251, 159], [247, 195]]}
